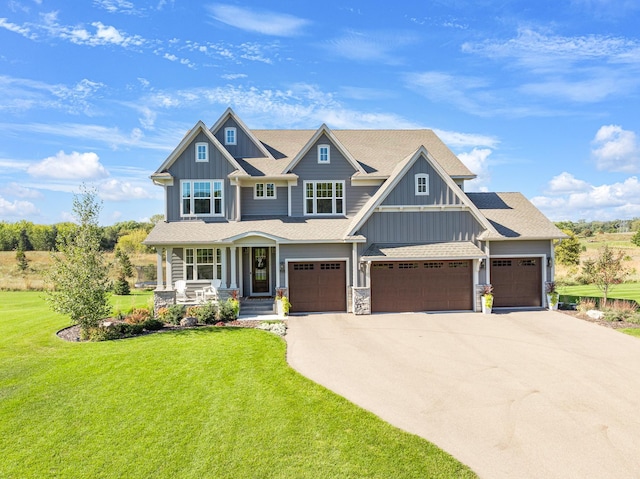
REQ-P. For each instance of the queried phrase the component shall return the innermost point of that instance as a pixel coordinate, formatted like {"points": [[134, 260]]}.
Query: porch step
{"points": [[256, 307]]}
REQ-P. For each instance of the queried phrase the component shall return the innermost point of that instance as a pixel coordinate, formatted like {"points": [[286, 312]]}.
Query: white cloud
{"points": [[456, 139], [476, 161], [7, 164], [118, 6], [234, 76], [17, 208], [374, 46], [616, 149], [21, 30], [571, 198], [117, 190], [20, 191], [264, 22], [76, 166]]}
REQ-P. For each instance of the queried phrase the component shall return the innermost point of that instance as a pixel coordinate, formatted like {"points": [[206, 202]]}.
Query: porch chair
{"points": [[181, 291], [211, 292]]}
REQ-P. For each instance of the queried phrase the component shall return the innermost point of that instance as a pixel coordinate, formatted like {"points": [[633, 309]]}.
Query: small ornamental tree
{"points": [[125, 270], [606, 270], [79, 273], [635, 239], [568, 250]]}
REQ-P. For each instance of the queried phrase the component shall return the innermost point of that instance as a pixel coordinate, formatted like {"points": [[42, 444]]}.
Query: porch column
{"points": [[354, 265], [223, 260], [169, 269], [234, 283], [367, 274], [159, 271], [277, 265]]}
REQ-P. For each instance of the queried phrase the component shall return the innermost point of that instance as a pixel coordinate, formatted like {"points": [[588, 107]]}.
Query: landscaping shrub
{"points": [[277, 327], [228, 310], [121, 287], [173, 314], [153, 324], [621, 310], [206, 313], [585, 304], [139, 315]]}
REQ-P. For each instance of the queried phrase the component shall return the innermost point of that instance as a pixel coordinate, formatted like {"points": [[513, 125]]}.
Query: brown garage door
{"points": [[421, 286], [516, 282], [318, 286]]}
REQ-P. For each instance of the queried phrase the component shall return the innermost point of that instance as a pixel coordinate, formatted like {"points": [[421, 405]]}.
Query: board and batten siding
{"points": [[420, 227], [519, 248], [265, 206], [244, 147], [186, 168], [439, 191], [308, 169], [313, 252]]}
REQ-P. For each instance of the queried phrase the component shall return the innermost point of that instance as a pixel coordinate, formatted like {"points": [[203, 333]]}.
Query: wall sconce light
{"points": [[282, 266], [482, 263], [549, 262]]}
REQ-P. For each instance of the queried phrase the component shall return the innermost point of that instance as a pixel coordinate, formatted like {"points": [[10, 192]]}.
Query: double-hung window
{"points": [[202, 198], [422, 184], [324, 197], [202, 263], [230, 136], [324, 154], [202, 152], [264, 191]]}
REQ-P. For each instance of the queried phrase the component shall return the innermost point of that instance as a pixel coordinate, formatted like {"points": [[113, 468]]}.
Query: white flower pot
{"points": [[552, 307]]}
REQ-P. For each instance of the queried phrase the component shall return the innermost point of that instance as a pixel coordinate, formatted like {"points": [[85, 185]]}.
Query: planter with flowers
{"points": [[487, 298], [553, 297]]}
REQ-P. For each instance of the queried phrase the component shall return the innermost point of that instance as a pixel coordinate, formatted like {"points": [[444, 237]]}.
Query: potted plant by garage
{"points": [[487, 298], [282, 303], [553, 296]]}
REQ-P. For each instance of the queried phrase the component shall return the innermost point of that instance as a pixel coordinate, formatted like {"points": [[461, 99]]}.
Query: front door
{"points": [[260, 278]]}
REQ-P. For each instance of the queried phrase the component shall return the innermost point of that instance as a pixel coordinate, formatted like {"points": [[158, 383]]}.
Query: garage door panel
{"points": [[516, 282], [421, 286], [317, 286]]}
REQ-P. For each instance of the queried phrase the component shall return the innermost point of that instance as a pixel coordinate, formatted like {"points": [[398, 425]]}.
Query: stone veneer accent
{"points": [[227, 293], [361, 300], [163, 299]]}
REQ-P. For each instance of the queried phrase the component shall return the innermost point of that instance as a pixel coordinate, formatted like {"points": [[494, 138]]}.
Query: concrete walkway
{"points": [[516, 395]]}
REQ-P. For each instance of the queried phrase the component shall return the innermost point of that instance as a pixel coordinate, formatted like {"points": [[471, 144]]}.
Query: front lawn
{"points": [[207, 402]]}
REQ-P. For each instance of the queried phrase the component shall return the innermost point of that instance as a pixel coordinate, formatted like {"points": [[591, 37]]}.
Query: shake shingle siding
{"points": [[420, 227], [186, 168]]}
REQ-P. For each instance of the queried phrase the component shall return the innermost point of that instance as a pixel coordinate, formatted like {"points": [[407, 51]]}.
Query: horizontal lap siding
{"points": [[264, 207]]}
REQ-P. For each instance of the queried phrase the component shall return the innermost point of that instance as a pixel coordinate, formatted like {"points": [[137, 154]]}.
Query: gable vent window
{"points": [[230, 136], [202, 152], [324, 155], [422, 184]]}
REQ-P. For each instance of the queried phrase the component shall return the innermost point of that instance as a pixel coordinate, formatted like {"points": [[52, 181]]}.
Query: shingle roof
{"points": [[450, 250], [514, 217], [283, 228], [378, 151]]}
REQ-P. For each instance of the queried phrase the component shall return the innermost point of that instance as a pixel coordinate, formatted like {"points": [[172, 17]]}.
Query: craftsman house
{"points": [[363, 221]]}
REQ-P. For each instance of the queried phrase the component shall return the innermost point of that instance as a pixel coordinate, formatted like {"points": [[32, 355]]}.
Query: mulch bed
{"points": [[601, 322], [72, 333]]}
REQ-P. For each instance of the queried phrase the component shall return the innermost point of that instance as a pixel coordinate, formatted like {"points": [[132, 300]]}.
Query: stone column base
{"points": [[163, 299], [361, 301]]}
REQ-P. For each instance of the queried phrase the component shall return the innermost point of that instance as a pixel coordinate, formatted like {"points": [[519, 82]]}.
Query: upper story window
{"points": [[324, 197], [324, 154], [201, 198], [202, 151], [230, 136], [422, 184], [264, 191]]}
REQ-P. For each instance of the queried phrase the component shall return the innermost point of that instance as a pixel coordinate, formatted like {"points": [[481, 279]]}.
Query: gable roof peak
{"points": [[229, 113]]}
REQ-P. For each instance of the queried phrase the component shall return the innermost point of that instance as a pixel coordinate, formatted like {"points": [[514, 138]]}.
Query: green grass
{"points": [[209, 402], [619, 291], [631, 331]]}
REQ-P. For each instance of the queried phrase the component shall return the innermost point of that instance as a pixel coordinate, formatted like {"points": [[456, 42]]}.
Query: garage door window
{"points": [[433, 265], [302, 266], [329, 265], [458, 264], [527, 262], [497, 263], [408, 266]]}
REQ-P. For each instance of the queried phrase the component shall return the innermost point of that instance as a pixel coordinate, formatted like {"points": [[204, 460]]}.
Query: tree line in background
{"points": [[589, 228], [27, 236]]}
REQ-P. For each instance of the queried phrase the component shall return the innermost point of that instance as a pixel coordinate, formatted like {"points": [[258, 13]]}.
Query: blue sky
{"points": [[539, 97]]}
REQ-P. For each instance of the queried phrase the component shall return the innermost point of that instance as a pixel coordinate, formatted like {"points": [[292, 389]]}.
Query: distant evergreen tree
{"points": [[125, 271], [568, 250], [23, 263], [635, 239]]}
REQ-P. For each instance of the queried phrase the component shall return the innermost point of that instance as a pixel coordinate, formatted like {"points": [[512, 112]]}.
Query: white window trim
{"points": [[328, 160], [235, 135], [333, 198], [206, 152], [199, 215], [216, 264], [417, 188], [264, 190]]}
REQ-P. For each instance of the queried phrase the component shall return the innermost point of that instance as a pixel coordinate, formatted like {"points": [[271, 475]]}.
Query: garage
{"points": [[517, 282], [400, 286], [318, 286]]}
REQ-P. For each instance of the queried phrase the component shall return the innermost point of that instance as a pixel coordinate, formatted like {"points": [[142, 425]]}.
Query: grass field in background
{"points": [[618, 291], [199, 403]]}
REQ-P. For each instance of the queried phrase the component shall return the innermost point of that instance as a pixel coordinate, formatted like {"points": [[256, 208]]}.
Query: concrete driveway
{"points": [[522, 394]]}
